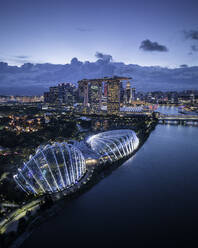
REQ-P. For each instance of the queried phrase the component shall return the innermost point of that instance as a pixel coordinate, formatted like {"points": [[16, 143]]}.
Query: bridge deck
{"points": [[178, 117]]}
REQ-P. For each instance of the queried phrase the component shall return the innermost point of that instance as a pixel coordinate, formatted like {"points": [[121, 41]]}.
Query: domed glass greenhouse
{"points": [[114, 145], [59, 166], [53, 168]]}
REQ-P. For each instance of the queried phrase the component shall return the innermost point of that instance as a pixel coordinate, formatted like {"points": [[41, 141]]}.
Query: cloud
{"points": [[19, 59], [11, 58], [22, 57], [150, 46], [76, 62], [191, 34], [35, 78], [105, 57], [194, 48], [184, 66], [84, 29]]}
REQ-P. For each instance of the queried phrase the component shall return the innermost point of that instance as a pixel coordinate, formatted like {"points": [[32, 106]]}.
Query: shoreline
{"points": [[96, 175]]}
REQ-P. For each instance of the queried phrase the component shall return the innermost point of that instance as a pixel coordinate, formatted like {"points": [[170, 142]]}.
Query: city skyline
{"points": [[134, 32], [98, 123], [31, 79]]}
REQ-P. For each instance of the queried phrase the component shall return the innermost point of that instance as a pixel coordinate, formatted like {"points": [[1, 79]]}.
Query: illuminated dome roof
{"points": [[53, 168], [57, 167], [113, 145]]}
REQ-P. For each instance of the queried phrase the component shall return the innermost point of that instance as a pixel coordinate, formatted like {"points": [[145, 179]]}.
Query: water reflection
{"points": [[150, 198], [168, 110]]}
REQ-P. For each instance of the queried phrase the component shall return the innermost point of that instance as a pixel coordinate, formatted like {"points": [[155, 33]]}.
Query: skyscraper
{"points": [[81, 91], [91, 89], [133, 94], [86, 93], [63, 93], [52, 96], [113, 97], [128, 92], [95, 96], [121, 92]]}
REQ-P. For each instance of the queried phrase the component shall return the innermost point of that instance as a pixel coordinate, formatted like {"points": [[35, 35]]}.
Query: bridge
{"points": [[178, 119]]}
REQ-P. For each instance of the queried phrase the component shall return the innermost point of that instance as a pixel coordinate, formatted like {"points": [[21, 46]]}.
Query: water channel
{"points": [[150, 199]]}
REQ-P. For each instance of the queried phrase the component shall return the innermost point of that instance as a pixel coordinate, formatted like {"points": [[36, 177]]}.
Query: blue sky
{"points": [[42, 31]]}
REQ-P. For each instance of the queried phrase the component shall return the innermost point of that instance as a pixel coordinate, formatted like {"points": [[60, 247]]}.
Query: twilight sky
{"points": [[148, 32]]}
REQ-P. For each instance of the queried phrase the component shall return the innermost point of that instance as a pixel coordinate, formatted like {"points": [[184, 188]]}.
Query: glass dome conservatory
{"points": [[53, 168], [114, 145], [59, 166]]}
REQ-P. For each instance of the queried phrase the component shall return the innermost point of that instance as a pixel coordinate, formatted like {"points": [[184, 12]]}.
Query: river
{"points": [[149, 200], [172, 110]]}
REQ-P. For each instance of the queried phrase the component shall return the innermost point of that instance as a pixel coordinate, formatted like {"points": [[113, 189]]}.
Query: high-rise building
{"points": [[86, 94], [53, 96], [95, 96], [113, 97], [128, 92], [92, 94], [121, 93], [92, 90], [81, 91], [63, 93], [192, 98], [133, 94]]}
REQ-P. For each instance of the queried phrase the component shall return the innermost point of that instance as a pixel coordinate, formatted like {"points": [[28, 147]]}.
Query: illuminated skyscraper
{"points": [[113, 97], [86, 94], [192, 98], [63, 93], [128, 92], [81, 90], [53, 95], [91, 89], [95, 96]]}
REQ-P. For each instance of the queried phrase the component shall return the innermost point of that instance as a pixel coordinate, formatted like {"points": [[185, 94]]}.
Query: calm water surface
{"points": [[168, 110], [150, 199]]}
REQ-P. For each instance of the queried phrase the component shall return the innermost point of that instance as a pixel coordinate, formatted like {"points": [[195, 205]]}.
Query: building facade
{"points": [[113, 97], [128, 93], [133, 94], [63, 93], [95, 96], [94, 93]]}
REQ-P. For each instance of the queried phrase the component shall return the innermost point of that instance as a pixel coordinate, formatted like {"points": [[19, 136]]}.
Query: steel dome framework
{"points": [[53, 168], [114, 145]]}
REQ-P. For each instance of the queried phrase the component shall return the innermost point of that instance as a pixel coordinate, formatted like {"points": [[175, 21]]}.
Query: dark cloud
{"points": [[191, 34], [76, 62], [105, 57], [19, 61], [184, 66], [84, 29], [36, 78], [150, 46], [194, 48], [22, 57]]}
